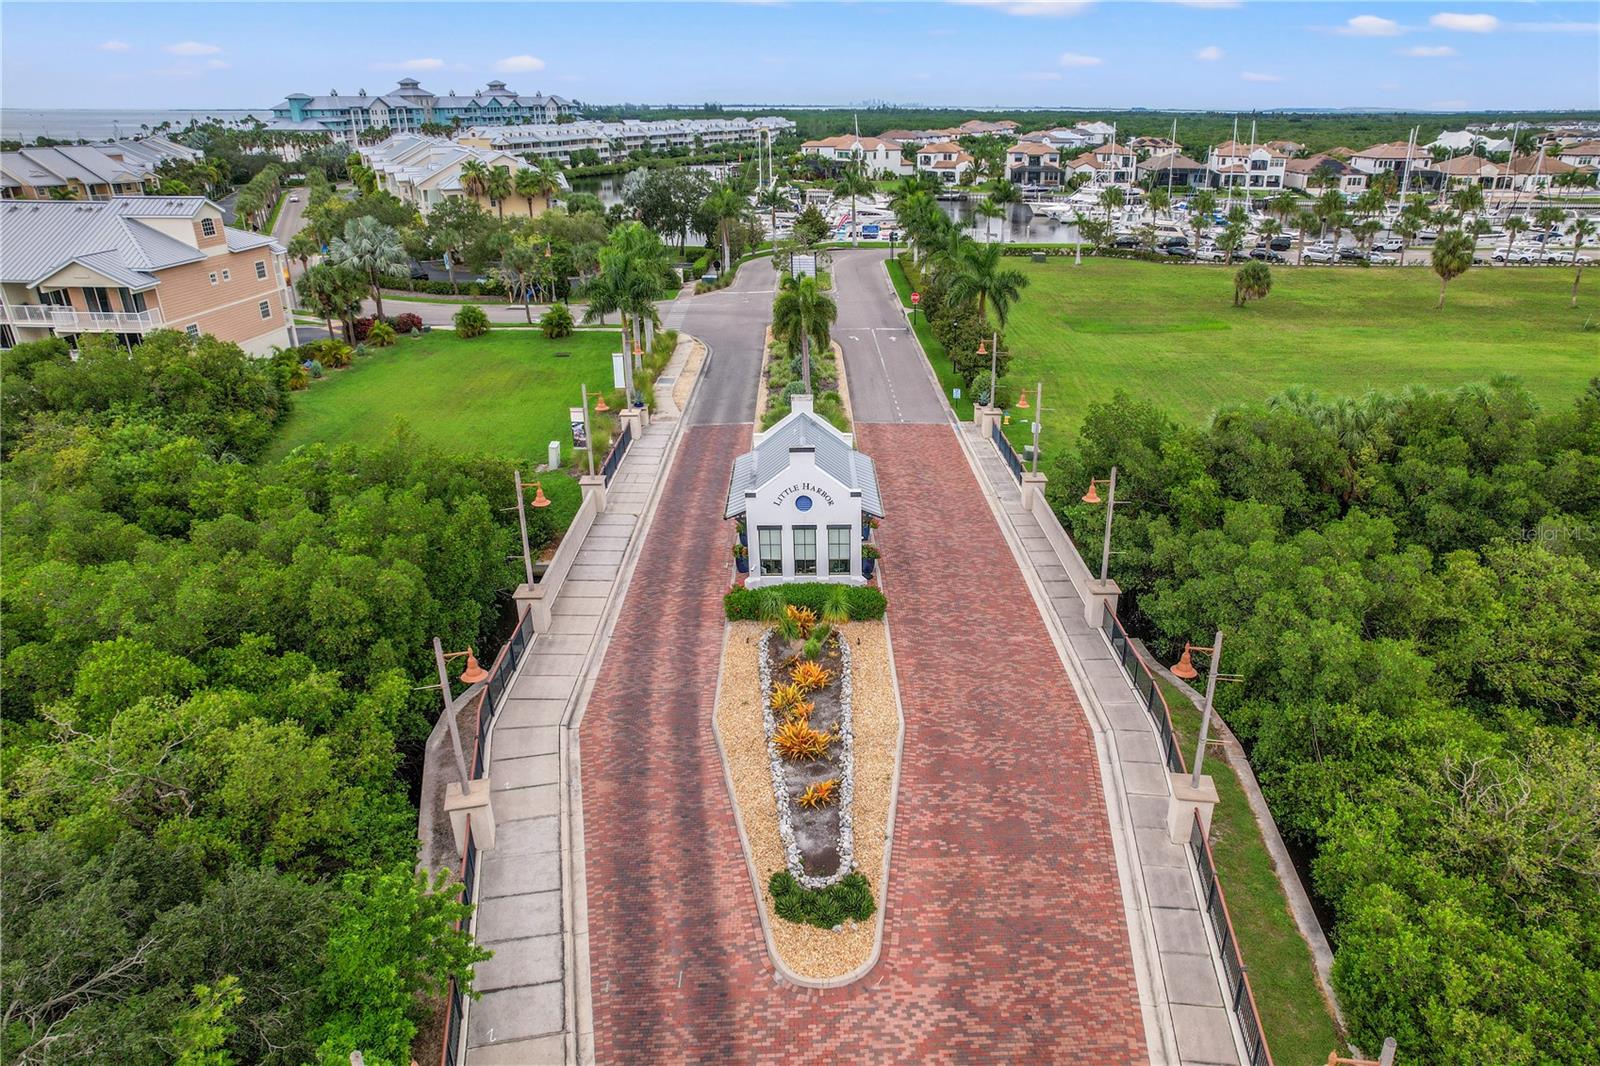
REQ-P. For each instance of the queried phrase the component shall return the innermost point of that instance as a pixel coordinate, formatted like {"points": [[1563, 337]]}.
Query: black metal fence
{"points": [[1007, 452], [618, 450], [1238, 979], [501, 675], [1144, 683]]}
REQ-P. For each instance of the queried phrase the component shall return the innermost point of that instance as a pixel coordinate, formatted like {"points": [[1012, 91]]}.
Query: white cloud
{"points": [[1429, 51], [407, 65], [1078, 59], [1250, 75], [191, 48], [1370, 26], [1210, 53], [1046, 8], [523, 64], [217, 64], [114, 46], [1450, 20]]}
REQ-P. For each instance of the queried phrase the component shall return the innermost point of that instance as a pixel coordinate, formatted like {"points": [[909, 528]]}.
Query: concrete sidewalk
{"points": [[1189, 988], [525, 1015]]}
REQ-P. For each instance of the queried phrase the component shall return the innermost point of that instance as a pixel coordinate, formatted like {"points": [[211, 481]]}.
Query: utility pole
{"points": [[1038, 413]]}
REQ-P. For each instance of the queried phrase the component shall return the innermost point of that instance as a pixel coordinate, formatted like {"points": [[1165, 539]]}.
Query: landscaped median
{"points": [[808, 724]]}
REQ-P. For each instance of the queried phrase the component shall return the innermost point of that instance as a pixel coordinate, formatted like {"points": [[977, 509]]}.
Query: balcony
{"points": [[71, 320]]}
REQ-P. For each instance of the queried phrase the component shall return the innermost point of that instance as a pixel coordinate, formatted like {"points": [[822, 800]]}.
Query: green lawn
{"points": [[505, 393], [1169, 333], [1299, 1027]]}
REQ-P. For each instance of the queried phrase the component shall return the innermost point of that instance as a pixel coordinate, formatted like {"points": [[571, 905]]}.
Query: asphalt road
{"points": [[888, 379], [733, 322], [291, 219]]}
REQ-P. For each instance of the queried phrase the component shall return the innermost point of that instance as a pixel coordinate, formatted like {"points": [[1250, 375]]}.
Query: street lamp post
{"points": [[474, 675], [1184, 668], [1111, 505]]}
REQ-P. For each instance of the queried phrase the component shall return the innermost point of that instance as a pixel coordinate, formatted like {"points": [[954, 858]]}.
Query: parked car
{"points": [[1388, 244], [1383, 259], [1515, 255], [1318, 255], [1266, 255], [419, 272], [1176, 251], [294, 199], [1281, 243], [1563, 257], [1126, 240], [1211, 255], [1352, 254]]}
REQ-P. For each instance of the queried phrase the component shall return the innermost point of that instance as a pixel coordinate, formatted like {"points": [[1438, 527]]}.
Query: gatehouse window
{"points": [[805, 549], [839, 549], [769, 542]]}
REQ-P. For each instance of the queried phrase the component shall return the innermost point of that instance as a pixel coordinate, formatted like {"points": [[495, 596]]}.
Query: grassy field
{"points": [[1298, 1024], [505, 393], [1169, 333]]}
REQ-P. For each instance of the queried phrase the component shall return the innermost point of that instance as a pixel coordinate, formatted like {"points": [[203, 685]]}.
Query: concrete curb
{"points": [[888, 840]]}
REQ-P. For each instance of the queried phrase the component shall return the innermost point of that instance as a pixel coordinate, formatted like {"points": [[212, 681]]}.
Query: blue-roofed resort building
{"points": [[409, 107], [805, 494]]}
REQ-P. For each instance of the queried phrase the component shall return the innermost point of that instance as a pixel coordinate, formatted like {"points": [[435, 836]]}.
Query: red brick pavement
{"points": [[1005, 938]]}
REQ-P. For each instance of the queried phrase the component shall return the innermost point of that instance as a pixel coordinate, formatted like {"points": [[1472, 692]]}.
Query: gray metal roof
{"points": [[834, 457], [39, 237]]}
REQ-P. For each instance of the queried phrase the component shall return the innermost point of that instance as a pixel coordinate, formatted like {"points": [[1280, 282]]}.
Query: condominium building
{"points": [[615, 140], [132, 264], [1032, 163], [409, 107], [425, 171]]}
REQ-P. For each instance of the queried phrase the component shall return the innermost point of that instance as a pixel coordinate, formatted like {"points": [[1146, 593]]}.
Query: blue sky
{"points": [[1197, 54]]}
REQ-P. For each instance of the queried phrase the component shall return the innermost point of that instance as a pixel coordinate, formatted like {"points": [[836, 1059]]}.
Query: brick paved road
{"points": [[1005, 938]]}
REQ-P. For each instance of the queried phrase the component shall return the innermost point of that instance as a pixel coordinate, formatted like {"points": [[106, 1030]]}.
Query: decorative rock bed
{"points": [[804, 953], [818, 843]]}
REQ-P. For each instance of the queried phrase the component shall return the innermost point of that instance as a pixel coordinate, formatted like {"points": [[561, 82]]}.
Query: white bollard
{"points": [[553, 461]]}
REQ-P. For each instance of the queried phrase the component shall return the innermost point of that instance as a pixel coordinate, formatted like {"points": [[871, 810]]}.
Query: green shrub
{"points": [[382, 335], [863, 602], [850, 897], [329, 351], [556, 322], [471, 322]]}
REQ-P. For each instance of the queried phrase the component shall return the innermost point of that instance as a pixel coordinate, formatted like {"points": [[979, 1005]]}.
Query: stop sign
{"points": [[916, 298]]}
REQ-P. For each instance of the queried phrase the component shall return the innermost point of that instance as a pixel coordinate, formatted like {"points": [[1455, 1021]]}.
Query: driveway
{"points": [[734, 323], [888, 381]]}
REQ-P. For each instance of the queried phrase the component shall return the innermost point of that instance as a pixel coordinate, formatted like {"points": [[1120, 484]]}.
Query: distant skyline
{"points": [[1191, 54]]}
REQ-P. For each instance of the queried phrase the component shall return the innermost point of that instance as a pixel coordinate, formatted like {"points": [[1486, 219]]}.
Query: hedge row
{"points": [[442, 288], [865, 603]]}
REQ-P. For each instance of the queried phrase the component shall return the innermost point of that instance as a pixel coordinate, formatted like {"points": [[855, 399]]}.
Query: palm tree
{"points": [[983, 276], [1231, 240], [1452, 255], [1548, 218], [1467, 199], [521, 262], [990, 211], [853, 183], [332, 292], [534, 182], [950, 248], [1304, 220], [475, 177], [1202, 205], [772, 198], [1160, 200], [372, 248], [1582, 229], [499, 186], [909, 186], [1002, 194], [803, 314], [1284, 206], [1112, 198], [1252, 282], [1516, 226], [726, 206], [303, 246]]}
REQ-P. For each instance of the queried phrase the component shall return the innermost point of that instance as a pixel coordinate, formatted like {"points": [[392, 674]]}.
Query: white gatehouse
{"points": [[805, 495]]}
